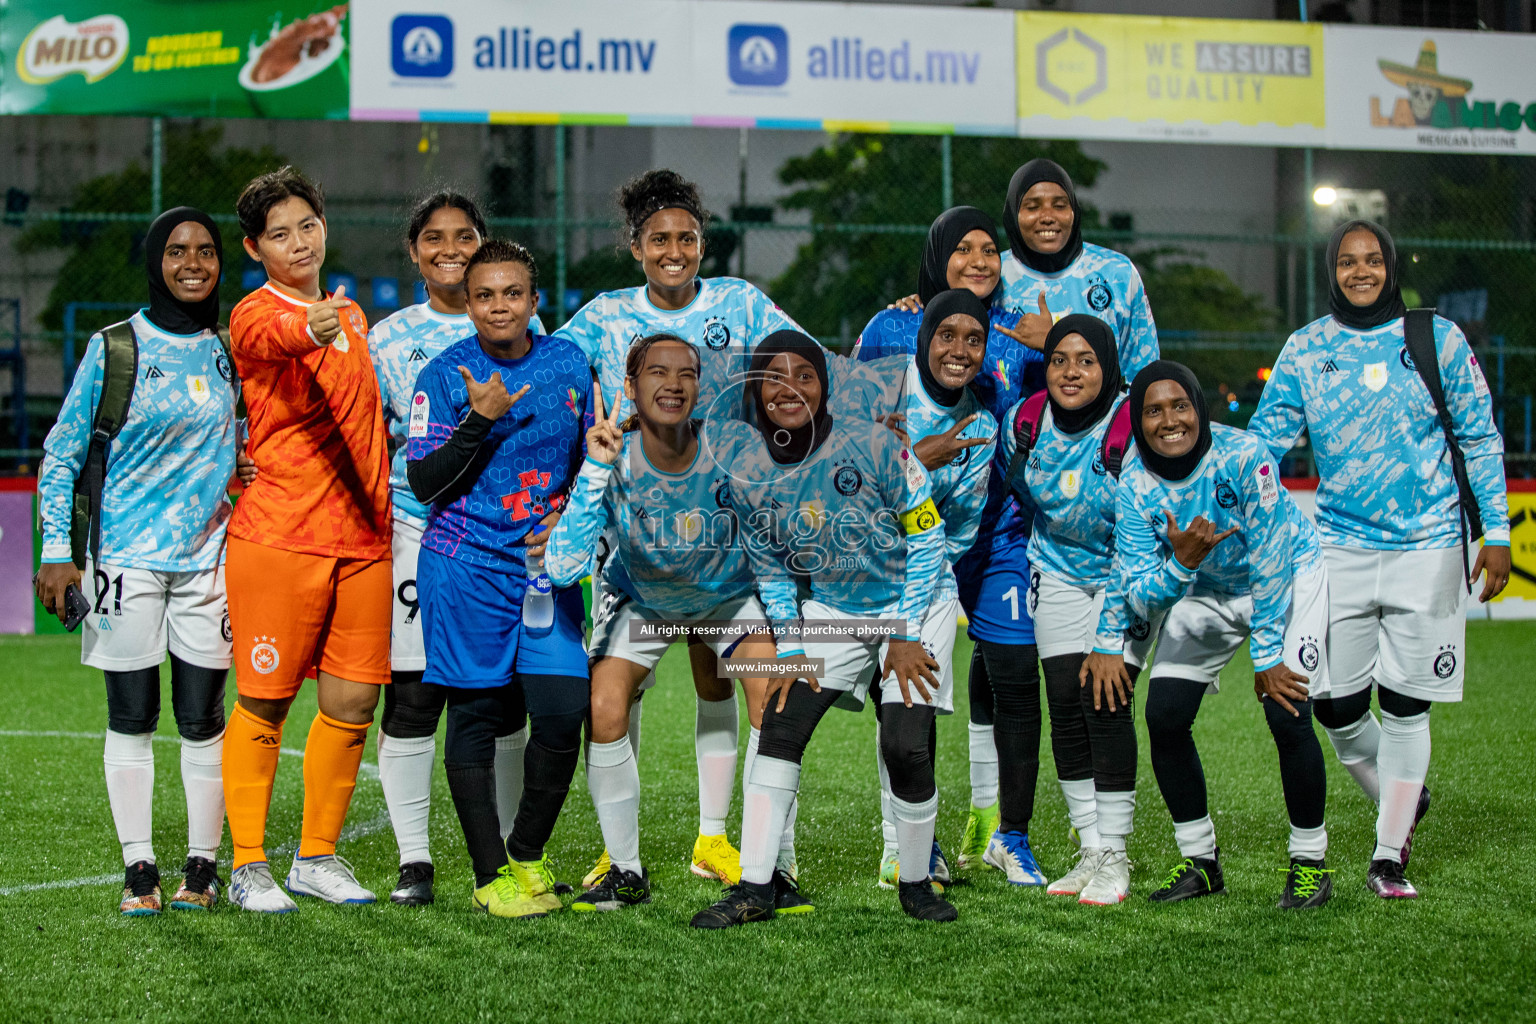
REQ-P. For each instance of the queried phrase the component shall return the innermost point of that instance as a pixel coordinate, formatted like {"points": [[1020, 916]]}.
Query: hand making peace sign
{"points": [[604, 438]]}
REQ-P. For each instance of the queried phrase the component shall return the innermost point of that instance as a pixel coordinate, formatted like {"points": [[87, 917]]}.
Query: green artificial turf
{"points": [[1466, 949]]}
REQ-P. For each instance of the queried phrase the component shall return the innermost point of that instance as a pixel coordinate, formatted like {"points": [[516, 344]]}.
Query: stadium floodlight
{"points": [[1325, 195]]}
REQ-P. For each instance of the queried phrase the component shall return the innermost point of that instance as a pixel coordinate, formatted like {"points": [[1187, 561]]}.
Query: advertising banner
{"points": [[1170, 79], [852, 66], [1431, 90], [16, 565], [217, 58]]}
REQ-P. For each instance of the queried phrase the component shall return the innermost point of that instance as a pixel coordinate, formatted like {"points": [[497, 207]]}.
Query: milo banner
{"points": [[1431, 89], [211, 58], [1169, 79]]}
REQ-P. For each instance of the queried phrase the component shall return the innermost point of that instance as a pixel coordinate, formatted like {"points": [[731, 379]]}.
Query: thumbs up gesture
{"points": [[1032, 327], [325, 316]]}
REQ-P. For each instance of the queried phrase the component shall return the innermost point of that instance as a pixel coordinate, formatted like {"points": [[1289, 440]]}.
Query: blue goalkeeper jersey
{"points": [[1100, 282], [402, 343], [855, 522], [526, 463], [163, 503], [1386, 477], [678, 543], [1236, 484], [725, 321]]}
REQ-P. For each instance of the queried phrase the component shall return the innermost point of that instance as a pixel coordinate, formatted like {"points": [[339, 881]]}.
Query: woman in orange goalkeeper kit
{"points": [[308, 563]]}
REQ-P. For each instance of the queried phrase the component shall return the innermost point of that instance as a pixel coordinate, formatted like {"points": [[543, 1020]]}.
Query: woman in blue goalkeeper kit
{"points": [[1391, 516], [961, 252], [841, 508], [158, 574], [1064, 456]]}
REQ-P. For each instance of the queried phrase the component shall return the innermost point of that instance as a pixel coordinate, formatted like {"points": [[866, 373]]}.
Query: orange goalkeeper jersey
{"points": [[316, 432]]}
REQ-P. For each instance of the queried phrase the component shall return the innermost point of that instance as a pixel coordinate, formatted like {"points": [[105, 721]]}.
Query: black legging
{"points": [[413, 708], [1012, 672], [197, 700]]}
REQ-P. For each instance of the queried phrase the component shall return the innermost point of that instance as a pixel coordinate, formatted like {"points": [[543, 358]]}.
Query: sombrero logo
{"points": [[1441, 101]]}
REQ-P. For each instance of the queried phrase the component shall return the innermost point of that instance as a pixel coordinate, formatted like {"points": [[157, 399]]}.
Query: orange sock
{"points": [[331, 758], [250, 765]]}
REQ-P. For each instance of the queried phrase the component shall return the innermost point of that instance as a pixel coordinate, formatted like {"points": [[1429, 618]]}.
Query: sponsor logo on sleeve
{"points": [[1269, 486], [420, 410]]}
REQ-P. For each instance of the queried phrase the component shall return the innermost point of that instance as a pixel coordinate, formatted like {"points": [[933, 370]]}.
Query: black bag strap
{"points": [[120, 369], [234, 377], [1419, 336]]}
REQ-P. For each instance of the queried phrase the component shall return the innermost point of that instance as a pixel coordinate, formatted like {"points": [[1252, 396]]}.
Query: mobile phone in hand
{"points": [[76, 607]]}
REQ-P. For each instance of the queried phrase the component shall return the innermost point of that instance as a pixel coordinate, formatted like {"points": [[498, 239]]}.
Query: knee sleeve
{"points": [[1013, 670], [412, 708], [1290, 731], [557, 733], [785, 734], [1337, 712], [197, 698], [979, 689], [1400, 705], [133, 701], [904, 746], [472, 719]]}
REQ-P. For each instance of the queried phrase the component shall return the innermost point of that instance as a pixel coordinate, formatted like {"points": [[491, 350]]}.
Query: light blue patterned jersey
{"points": [[163, 502], [401, 344], [1069, 495], [1101, 283], [892, 385], [1387, 482], [725, 321], [678, 546], [855, 522], [1236, 484]]}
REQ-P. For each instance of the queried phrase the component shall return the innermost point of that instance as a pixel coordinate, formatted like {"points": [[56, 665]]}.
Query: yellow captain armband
{"points": [[921, 519]]}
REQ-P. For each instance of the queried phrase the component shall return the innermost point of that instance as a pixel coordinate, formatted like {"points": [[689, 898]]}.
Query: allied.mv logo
{"points": [[757, 54], [421, 46]]}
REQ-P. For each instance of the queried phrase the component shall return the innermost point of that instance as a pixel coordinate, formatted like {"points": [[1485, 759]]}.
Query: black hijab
{"points": [[944, 237], [1388, 305], [165, 310], [1161, 465], [785, 445], [945, 305], [1100, 338], [1025, 178]]}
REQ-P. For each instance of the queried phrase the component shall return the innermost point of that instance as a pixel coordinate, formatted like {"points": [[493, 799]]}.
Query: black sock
{"points": [[474, 796], [546, 781], [1172, 705]]}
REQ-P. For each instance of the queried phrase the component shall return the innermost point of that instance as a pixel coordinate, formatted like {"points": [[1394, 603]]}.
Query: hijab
{"points": [[785, 445], [165, 310], [1388, 305], [945, 305], [1024, 179], [944, 237], [1180, 467], [1100, 338]]}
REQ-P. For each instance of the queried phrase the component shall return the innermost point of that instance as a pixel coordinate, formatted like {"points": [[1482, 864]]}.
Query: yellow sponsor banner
{"points": [[1178, 79], [1522, 547]]}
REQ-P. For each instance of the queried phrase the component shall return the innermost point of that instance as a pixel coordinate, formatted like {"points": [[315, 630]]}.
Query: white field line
{"points": [[366, 828]]}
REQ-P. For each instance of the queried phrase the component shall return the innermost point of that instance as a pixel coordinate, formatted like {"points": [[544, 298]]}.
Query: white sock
{"points": [[129, 759], [613, 779], [1196, 838], [1115, 812], [887, 814], [786, 859], [715, 736], [983, 766], [768, 796], [1403, 760], [634, 722], [1356, 744], [405, 773], [509, 777], [202, 778], [914, 835], [1309, 843], [1083, 811]]}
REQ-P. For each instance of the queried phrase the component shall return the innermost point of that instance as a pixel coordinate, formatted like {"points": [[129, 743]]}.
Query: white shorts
{"points": [[139, 614], [851, 666], [1398, 619], [614, 630], [407, 648], [1204, 630], [1067, 619]]}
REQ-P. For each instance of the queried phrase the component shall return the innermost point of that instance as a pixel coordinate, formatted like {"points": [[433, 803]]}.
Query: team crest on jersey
{"points": [[1071, 481], [197, 387], [1140, 628], [1309, 654], [1226, 497], [359, 325], [264, 656], [926, 520], [1406, 359], [221, 363], [1098, 294], [225, 631], [848, 480], [1374, 376], [1445, 662], [717, 334], [420, 410], [1269, 486], [723, 494], [1098, 467]]}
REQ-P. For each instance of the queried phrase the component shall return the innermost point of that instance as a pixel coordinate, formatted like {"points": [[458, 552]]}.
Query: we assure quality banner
{"points": [[216, 58]]}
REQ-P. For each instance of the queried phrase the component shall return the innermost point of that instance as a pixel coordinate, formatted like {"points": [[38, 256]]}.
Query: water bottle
{"points": [[539, 600]]}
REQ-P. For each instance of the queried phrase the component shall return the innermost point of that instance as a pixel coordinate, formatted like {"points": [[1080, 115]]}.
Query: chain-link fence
{"points": [[1228, 240]]}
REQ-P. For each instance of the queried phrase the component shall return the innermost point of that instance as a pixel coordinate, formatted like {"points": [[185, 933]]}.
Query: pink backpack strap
{"points": [[1026, 422], [1117, 439]]}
